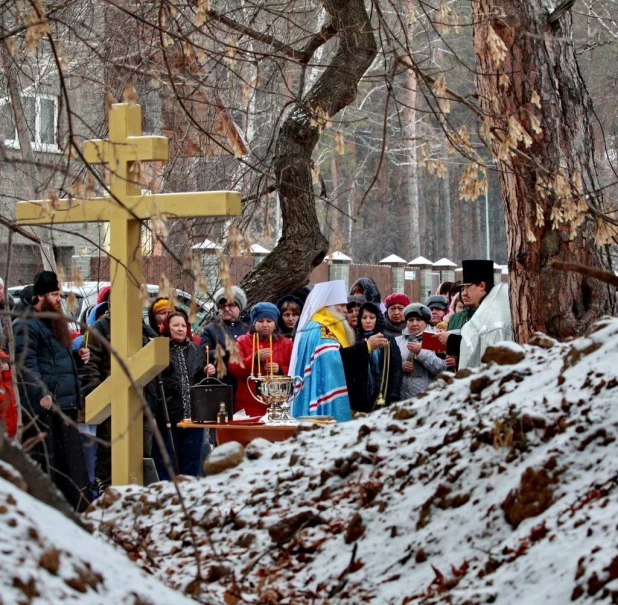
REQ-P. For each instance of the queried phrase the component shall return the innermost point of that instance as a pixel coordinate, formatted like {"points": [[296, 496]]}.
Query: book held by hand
{"points": [[432, 343]]}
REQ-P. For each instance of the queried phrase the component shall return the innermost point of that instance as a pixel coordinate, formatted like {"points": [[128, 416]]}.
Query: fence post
{"points": [[446, 269], [339, 267], [398, 269], [426, 269], [259, 253]]}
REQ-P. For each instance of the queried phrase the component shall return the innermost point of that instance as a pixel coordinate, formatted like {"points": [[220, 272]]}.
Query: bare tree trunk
{"points": [[410, 180], [478, 237], [446, 218], [302, 246], [551, 175], [457, 230]]}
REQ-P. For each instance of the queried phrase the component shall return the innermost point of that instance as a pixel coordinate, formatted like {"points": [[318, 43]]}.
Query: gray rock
{"points": [[224, 457]]}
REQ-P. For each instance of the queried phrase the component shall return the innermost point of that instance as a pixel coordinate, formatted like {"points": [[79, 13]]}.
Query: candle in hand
{"points": [[252, 354], [271, 354], [257, 340]]}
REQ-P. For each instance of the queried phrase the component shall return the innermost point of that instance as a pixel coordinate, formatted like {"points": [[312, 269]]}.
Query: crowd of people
{"points": [[354, 352]]}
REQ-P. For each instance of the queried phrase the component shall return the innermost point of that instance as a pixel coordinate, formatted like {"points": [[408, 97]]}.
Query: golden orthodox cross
{"points": [[125, 210]]}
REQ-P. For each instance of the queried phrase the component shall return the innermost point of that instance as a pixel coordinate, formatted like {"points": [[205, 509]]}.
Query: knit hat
{"points": [[437, 302], [161, 305], [104, 293], [44, 283], [476, 271], [397, 298], [417, 310], [355, 300], [264, 310], [26, 296], [240, 298]]}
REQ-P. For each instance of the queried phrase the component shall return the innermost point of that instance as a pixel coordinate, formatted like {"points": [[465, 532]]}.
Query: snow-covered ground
{"points": [[46, 558], [497, 487]]}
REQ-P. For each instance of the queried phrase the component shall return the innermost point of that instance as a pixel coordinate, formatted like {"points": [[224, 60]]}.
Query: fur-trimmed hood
{"points": [[370, 289]]}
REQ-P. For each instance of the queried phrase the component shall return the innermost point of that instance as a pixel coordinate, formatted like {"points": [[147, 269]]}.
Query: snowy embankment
{"points": [[46, 558], [500, 486]]}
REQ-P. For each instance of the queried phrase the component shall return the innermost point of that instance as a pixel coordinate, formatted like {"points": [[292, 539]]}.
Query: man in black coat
{"points": [[226, 328], [50, 392]]}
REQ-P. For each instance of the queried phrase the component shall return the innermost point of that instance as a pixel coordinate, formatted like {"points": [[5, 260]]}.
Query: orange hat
{"points": [[161, 305]]}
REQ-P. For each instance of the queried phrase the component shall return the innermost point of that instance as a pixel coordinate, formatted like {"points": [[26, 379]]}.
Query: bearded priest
{"points": [[325, 355]]}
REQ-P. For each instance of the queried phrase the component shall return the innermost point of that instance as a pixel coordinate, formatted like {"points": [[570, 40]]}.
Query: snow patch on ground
{"points": [[499, 487], [47, 558]]}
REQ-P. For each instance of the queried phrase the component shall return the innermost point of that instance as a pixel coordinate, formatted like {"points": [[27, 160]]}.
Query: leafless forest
{"points": [[368, 127]]}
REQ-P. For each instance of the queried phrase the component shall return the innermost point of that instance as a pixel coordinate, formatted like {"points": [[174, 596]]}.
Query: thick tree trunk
{"points": [[302, 246], [550, 175]]}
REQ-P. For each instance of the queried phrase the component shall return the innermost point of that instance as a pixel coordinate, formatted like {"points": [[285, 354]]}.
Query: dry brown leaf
{"points": [[71, 302], [37, 27], [535, 99], [439, 89], [220, 361], [473, 182], [339, 144], [497, 48], [129, 94], [235, 239], [77, 277], [164, 287], [193, 309]]}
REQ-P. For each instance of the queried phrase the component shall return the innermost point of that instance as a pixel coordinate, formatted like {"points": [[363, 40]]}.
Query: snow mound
{"points": [[46, 558], [495, 486]]}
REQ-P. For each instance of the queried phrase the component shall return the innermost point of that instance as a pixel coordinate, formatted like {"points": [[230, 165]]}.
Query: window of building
{"points": [[41, 113]]}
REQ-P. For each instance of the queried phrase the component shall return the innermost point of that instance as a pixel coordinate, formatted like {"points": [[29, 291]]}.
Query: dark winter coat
{"points": [[365, 387], [46, 367], [195, 360], [215, 332], [98, 367], [370, 289]]}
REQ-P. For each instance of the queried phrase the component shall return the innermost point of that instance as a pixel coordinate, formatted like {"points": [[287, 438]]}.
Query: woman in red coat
{"points": [[8, 405], [264, 318]]}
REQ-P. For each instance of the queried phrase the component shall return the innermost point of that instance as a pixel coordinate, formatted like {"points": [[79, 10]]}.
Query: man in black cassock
{"points": [[49, 390]]}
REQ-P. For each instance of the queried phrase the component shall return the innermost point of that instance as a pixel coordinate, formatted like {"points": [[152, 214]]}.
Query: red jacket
{"points": [[282, 353], [8, 404]]}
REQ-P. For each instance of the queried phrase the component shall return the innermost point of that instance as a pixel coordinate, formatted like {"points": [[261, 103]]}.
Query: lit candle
{"points": [[271, 354], [207, 355], [257, 340], [252, 354]]}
